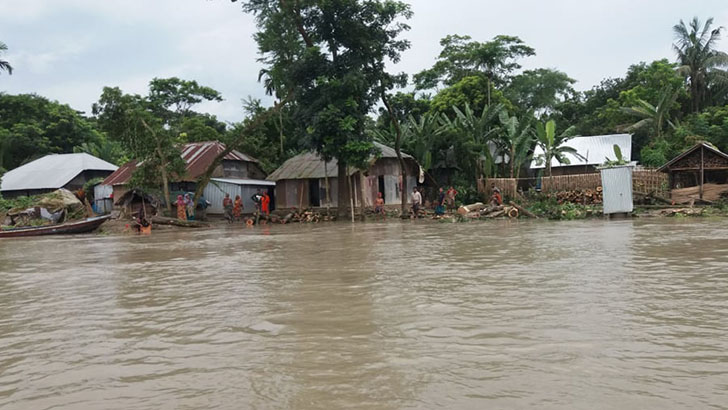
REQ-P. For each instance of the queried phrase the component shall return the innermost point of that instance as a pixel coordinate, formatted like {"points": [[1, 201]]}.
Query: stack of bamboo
{"points": [[579, 196], [711, 192]]}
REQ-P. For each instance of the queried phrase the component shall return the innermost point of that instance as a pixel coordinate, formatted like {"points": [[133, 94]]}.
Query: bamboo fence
{"points": [[644, 181]]}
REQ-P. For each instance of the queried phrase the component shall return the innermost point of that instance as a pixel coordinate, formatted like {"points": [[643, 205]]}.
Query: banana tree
{"points": [[517, 140], [478, 132], [553, 145]]}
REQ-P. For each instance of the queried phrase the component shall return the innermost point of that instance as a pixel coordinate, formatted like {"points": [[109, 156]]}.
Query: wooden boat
{"points": [[87, 225]]}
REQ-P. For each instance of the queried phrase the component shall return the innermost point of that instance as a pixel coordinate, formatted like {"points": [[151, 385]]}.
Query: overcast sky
{"points": [[68, 50]]}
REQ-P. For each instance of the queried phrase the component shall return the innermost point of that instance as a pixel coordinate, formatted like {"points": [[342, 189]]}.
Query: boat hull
{"points": [[85, 226]]}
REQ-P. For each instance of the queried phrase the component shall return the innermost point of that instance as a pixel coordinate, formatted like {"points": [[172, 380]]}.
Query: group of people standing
{"points": [[188, 210], [234, 208], [445, 200]]}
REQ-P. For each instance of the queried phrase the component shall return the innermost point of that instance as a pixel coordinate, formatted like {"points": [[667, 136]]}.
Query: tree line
{"points": [[475, 113]]}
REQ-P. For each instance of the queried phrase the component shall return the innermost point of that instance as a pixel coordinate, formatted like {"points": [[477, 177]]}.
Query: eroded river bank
{"points": [[506, 314]]}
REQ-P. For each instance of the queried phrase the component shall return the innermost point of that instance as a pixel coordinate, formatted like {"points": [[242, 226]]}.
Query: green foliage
{"points": [[656, 154], [700, 62], [4, 65], [539, 90], [619, 158], [463, 57], [545, 207], [553, 145], [710, 125], [472, 91], [19, 202], [32, 126], [653, 117]]}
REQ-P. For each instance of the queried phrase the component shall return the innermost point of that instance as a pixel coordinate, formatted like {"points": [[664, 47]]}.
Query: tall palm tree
{"points": [[699, 61], [553, 145], [4, 65], [517, 140], [479, 132], [656, 117]]}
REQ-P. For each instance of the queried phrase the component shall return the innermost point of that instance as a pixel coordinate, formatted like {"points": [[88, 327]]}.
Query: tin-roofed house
{"points": [[51, 172], [301, 181], [593, 151], [237, 169]]}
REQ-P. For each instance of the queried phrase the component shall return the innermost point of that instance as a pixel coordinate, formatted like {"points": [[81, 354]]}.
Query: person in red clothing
{"points": [[265, 204], [496, 199]]}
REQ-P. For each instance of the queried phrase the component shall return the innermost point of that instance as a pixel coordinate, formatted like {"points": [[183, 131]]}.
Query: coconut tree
{"points": [[517, 138], [654, 117], [699, 61], [553, 145], [4, 65]]}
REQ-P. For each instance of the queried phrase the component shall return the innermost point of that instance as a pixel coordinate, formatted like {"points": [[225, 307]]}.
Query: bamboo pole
{"points": [[702, 170], [351, 194]]}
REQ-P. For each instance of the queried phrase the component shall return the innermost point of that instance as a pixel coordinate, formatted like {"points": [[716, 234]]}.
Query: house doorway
{"points": [[314, 192], [381, 188]]}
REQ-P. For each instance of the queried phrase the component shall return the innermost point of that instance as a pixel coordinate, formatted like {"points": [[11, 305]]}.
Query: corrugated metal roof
{"points": [[596, 149], [197, 156], [261, 182], [122, 175], [52, 171], [310, 165]]}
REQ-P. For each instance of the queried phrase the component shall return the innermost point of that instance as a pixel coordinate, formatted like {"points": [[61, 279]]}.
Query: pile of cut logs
{"points": [[480, 210], [305, 216], [579, 196]]}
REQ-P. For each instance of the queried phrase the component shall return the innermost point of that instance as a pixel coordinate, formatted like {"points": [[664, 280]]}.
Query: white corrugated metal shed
{"points": [[595, 149], [218, 187], [52, 171]]}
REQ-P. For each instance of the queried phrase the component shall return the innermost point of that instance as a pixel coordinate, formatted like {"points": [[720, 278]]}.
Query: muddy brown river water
{"points": [[595, 314]]}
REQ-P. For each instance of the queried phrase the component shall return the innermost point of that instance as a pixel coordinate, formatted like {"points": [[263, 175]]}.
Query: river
{"points": [[587, 314]]}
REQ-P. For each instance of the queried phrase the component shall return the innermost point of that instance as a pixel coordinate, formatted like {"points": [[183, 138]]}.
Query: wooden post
{"points": [[362, 181], [351, 193], [702, 169]]}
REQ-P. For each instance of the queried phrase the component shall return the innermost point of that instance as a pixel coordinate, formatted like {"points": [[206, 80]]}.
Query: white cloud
{"points": [[70, 49]]}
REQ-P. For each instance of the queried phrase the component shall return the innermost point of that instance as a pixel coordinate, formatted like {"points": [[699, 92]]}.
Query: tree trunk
{"points": [[328, 192], [398, 151], [165, 178], [343, 194], [362, 180], [511, 161], [280, 125], [351, 195]]}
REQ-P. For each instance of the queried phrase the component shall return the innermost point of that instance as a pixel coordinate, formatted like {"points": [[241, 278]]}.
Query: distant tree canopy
{"points": [[32, 126]]}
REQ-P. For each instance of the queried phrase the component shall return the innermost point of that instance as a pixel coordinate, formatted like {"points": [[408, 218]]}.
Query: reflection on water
{"points": [[388, 316]]}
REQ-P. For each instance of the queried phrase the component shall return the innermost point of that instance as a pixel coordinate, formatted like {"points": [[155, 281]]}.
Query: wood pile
{"points": [[682, 212], [305, 216], [579, 196], [162, 220], [711, 193]]}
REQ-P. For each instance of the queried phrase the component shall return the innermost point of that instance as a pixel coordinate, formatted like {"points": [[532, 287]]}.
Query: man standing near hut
{"points": [[450, 198], [379, 206], [416, 202], [227, 205]]}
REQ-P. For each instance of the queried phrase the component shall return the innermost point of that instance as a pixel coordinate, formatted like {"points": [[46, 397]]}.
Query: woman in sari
{"points": [[238, 208], [181, 208], [190, 204]]}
